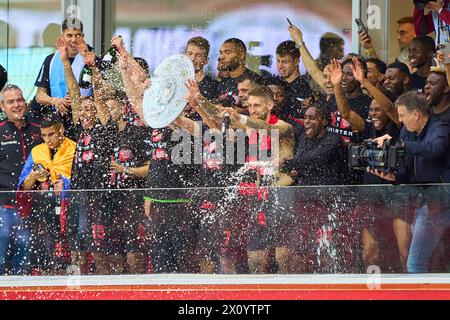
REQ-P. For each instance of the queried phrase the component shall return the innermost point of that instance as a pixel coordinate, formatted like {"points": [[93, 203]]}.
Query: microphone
{"points": [[226, 122]]}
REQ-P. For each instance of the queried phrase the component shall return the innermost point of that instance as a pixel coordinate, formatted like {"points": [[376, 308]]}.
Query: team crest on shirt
{"points": [[160, 154], [125, 155], [87, 156]]}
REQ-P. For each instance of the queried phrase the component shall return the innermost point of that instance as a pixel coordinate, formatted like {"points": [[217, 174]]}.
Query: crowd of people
{"points": [[96, 187]]}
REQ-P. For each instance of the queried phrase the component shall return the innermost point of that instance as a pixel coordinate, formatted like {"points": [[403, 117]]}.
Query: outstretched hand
{"points": [[61, 45], [295, 33], [82, 46], [117, 42], [89, 59], [381, 140], [234, 115], [365, 40], [193, 94], [336, 73], [357, 70]]}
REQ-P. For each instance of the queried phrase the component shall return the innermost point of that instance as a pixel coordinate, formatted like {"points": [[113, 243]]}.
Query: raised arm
{"points": [[102, 91], [135, 93], [356, 122], [240, 121], [72, 83], [385, 103], [209, 112], [136, 72], [423, 23], [307, 59], [366, 43], [134, 78], [187, 124]]}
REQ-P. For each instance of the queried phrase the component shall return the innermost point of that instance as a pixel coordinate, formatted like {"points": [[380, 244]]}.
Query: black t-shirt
{"points": [[90, 169], [297, 89], [340, 125], [417, 83], [318, 161], [227, 87], [163, 172], [215, 171], [208, 87], [129, 150], [15, 146], [443, 116]]}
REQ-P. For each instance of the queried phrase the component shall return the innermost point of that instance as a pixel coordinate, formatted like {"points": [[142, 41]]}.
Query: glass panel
{"points": [[295, 230], [156, 29], [28, 32]]}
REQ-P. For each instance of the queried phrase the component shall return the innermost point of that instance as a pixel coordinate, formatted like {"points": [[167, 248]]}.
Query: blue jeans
{"points": [[427, 232], [14, 236]]}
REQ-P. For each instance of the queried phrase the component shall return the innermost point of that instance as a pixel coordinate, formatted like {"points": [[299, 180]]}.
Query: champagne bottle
{"points": [[85, 78], [110, 56]]}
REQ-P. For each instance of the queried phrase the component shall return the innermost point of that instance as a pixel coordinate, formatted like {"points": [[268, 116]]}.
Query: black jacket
{"points": [[319, 162], [15, 146], [428, 154]]}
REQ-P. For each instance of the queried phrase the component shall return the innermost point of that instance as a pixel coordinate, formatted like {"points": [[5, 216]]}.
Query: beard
{"points": [[260, 116], [230, 66]]}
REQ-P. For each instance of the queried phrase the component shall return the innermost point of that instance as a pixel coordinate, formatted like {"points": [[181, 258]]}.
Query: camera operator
{"points": [[425, 140], [436, 20]]}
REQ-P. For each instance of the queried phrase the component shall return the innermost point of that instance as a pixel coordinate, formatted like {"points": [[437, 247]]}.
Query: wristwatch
{"points": [[369, 52], [299, 44]]}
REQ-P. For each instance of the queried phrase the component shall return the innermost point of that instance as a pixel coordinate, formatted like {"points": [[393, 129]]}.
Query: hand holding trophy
{"points": [[165, 99]]}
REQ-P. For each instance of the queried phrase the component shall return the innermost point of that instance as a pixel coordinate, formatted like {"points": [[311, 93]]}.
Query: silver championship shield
{"points": [[165, 99]]}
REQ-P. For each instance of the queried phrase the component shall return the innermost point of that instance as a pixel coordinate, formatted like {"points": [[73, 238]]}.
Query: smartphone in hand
{"points": [[445, 48], [290, 23], [361, 26]]}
